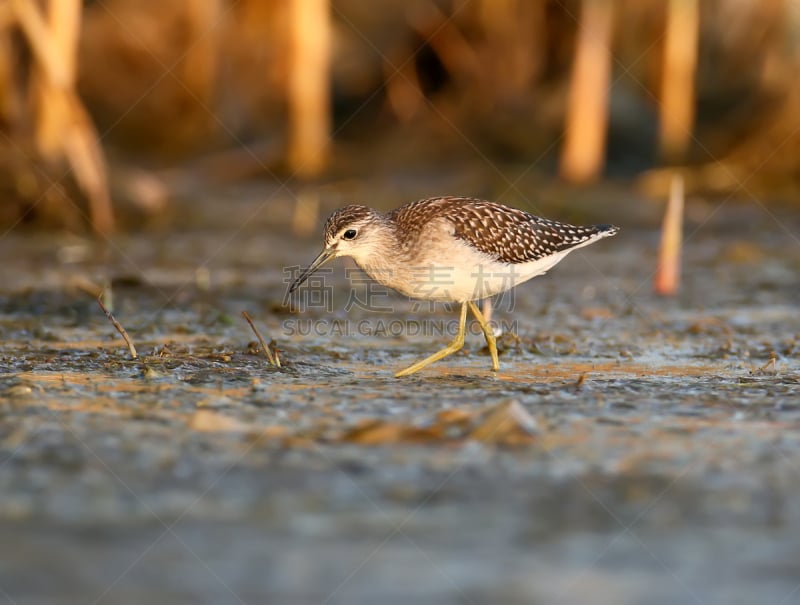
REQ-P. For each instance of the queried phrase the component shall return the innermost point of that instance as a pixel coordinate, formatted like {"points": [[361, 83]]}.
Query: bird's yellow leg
{"points": [[487, 332], [454, 346]]}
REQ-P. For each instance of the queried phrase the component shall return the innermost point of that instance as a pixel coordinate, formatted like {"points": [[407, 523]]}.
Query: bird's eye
{"points": [[350, 234]]}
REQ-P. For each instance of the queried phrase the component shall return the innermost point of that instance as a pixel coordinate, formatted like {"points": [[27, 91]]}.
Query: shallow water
{"points": [[652, 454]]}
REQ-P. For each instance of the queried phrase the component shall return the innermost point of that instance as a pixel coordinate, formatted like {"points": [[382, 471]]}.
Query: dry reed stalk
{"points": [[514, 49], [53, 107], [583, 154], [677, 78], [43, 42], [668, 274], [200, 66], [64, 25], [7, 16], [309, 86], [83, 151], [64, 129], [10, 98]]}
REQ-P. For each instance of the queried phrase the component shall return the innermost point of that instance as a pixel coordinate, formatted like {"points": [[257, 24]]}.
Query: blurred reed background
{"points": [[312, 89]]}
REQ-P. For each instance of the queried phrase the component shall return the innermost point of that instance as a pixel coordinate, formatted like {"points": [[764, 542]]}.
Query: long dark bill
{"points": [[324, 256]]}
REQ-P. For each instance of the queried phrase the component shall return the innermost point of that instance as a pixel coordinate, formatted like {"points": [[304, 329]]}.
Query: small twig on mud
{"points": [[264, 345], [274, 346], [118, 326], [579, 382], [771, 363]]}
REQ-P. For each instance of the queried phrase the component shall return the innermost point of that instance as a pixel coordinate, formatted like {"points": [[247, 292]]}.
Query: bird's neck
{"points": [[384, 254]]}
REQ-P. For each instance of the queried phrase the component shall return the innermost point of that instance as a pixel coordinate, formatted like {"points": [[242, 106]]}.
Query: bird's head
{"points": [[354, 231]]}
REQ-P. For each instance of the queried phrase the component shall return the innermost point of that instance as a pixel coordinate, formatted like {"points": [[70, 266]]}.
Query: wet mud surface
{"points": [[630, 450]]}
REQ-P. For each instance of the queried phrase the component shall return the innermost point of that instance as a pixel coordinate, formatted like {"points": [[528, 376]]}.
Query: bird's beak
{"points": [[324, 256]]}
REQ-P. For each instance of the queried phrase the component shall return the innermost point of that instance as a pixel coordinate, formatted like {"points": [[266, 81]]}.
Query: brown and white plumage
{"points": [[451, 248], [507, 234]]}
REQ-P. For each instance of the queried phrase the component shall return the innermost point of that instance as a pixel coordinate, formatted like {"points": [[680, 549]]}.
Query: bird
{"points": [[450, 249]]}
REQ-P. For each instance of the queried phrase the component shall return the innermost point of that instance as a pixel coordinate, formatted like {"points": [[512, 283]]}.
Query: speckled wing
{"points": [[514, 236]]}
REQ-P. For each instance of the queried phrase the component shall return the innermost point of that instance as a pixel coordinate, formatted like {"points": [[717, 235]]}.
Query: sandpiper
{"points": [[450, 249]]}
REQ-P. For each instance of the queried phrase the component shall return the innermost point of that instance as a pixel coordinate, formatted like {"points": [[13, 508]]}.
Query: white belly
{"points": [[460, 273]]}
